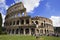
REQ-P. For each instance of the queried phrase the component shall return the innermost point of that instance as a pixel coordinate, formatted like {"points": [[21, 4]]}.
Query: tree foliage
{"points": [[0, 23]]}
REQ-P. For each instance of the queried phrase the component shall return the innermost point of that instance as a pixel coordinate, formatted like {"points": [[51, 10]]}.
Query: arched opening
{"points": [[17, 31], [21, 31], [9, 31], [27, 21], [13, 22], [18, 22], [10, 23], [22, 21], [12, 31], [32, 31], [36, 22], [18, 14], [27, 31], [41, 24], [37, 31], [41, 31], [45, 31], [32, 22]]}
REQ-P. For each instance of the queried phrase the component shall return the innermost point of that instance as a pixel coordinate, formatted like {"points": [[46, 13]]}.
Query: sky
{"points": [[45, 8]]}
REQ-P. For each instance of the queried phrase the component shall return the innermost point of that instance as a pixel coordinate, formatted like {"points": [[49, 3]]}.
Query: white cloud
{"points": [[48, 6], [3, 4], [56, 20], [2, 1], [29, 4], [3, 17], [3, 8]]}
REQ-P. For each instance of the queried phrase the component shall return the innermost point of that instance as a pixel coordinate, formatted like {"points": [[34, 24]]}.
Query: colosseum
{"points": [[18, 22]]}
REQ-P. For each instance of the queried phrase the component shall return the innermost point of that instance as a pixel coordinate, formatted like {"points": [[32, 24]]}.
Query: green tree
{"points": [[0, 23]]}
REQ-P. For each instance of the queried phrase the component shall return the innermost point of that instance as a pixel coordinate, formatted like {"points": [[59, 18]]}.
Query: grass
{"points": [[49, 38], [16, 37], [22, 37]]}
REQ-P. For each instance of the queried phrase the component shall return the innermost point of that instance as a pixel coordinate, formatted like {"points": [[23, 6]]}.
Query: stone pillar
{"points": [[35, 31], [19, 22], [24, 31], [30, 21], [14, 31], [25, 13], [29, 31], [39, 31], [19, 31], [16, 15], [20, 14], [11, 31], [7, 32], [24, 21], [15, 22], [43, 31], [12, 22]]}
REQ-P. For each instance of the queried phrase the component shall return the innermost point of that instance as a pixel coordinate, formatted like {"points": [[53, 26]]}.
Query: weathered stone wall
{"points": [[14, 21]]}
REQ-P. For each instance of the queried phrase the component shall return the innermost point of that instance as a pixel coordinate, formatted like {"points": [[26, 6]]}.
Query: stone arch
{"points": [[22, 21], [27, 31], [13, 22], [41, 31], [17, 22], [9, 31], [21, 30], [32, 31], [27, 21], [36, 22], [12, 31], [45, 31], [17, 31]]}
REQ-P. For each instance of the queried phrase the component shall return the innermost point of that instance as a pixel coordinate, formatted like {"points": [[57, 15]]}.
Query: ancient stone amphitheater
{"points": [[18, 22]]}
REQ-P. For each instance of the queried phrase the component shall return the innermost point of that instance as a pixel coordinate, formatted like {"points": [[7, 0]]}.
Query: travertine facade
{"points": [[18, 22]]}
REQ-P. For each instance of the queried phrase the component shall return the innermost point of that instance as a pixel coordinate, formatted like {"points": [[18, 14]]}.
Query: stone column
{"points": [[25, 13], [7, 32], [19, 22], [14, 31], [30, 21], [29, 31], [43, 31], [35, 31], [15, 22], [39, 31], [20, 14], [24, 31], [19, 31], [16, 15], [11, 31], [24, 21], [12, 22]]}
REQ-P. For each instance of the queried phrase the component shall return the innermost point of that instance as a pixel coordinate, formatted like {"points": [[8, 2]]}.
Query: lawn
{"points": [[22, 37]]}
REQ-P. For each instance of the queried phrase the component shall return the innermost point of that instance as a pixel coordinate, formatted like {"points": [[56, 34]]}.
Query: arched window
{"points": [[27, 21], [17, 31], [9, 31], [13, 22], [10, 23], [32, 22], [21, 31], [45, 31], [41, 24], [36, 22], [41, 31], [22, 21], [18, 22], [27, 31], [12, 31]]}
